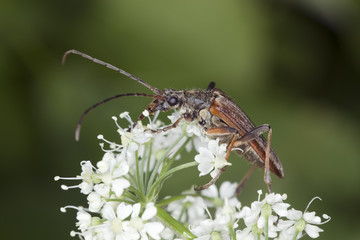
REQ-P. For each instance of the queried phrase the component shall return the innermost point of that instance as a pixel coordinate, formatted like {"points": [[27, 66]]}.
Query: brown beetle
{"points": [[216, 114]]}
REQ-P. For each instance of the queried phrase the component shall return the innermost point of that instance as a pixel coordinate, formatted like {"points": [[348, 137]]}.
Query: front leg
{"points": [[174, 125]]}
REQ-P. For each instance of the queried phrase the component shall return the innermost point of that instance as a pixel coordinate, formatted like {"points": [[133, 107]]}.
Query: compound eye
{"points": [[173, 101]]}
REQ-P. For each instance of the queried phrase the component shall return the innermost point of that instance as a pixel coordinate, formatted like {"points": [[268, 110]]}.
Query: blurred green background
{"points": [[292, 64]]}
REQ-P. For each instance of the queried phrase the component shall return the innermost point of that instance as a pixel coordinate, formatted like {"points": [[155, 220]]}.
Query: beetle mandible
{"points": [[216, 113]]}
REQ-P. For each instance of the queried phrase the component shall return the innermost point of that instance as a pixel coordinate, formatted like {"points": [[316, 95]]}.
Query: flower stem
{"points": [[164, 157], [295, 235], [169, 200], [170, 162], [139, 176], [175, 225], [232, 233], [266, 230], [171, 171]]}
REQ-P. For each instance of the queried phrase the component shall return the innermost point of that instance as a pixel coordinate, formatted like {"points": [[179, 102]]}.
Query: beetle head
{"points": [[168, 99]]}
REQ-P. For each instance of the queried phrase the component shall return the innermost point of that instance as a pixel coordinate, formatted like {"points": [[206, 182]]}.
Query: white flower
{"points": [[212, 158], [262, 209], [84, 220], [115, 225], [226, 191], [88, 177], [112, 171], [95, 202], [245, 234], [86, 174], [143, 225], [167, 234], [137, 135], [148, 156], [191, 209], [255, 217], [307, 221], [211, 229]]}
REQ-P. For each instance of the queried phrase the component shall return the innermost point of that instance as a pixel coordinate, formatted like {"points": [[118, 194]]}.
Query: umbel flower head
{"points": [[123, 192]]}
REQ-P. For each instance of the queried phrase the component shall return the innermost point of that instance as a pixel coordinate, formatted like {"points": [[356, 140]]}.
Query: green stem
{"points": [[295, 235], [258, 236], [170, 162], [148, 166], [138, 176], [232, 233], [134, 192], [164, 157], [180, 229], [169, 200], [266, 228], [171, 171], [120, 200]]}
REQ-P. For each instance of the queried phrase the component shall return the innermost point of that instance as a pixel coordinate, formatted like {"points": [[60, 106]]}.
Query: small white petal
{"points": [[227, 189], [108, 212], [102, 189], [84, 220], [86, 188], [311, 218], [136, 210], [205, 168], [145, 113], [123, 211], [95, 202], [281, 209], [121, 170], [211, 192], [293, 214], [118, 186], [215, 172], [213, 144], [284, 224], [312, 231], [154, 229], [204, 155], [261, 222], [251, 218], [149, 212]]}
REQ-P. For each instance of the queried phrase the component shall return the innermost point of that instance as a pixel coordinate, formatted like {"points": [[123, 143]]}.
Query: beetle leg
{"points": [[174, 125], [220, 131], [205, 186], [267, 177], [244, 179], [256, 132], [223, 131]]}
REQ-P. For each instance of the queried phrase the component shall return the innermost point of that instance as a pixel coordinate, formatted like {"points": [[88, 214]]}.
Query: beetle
{"points": [[216, 114]]}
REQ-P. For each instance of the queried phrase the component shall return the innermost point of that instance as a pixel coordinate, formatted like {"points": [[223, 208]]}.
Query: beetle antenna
{"points": [[108, 65], [78, 127]]}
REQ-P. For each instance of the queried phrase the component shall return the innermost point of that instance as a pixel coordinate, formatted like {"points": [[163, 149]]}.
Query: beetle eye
{"points": [[173, 101]]}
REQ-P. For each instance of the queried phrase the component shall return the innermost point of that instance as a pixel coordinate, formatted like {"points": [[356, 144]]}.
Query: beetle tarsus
{"points": [[199, 188]]}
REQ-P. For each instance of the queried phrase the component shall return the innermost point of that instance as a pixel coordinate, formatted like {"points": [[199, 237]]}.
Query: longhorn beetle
{"points": [[216, 114]]}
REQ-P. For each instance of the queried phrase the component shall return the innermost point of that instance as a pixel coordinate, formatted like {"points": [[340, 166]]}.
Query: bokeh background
{"points": [[292, 64]]}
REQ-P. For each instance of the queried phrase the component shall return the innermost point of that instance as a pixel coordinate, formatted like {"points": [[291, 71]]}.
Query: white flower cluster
{"points": [[264, 219], [123, 189]]}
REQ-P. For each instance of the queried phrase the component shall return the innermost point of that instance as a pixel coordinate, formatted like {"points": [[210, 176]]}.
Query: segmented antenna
{"points": [[95, 60], [78, 127]]}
